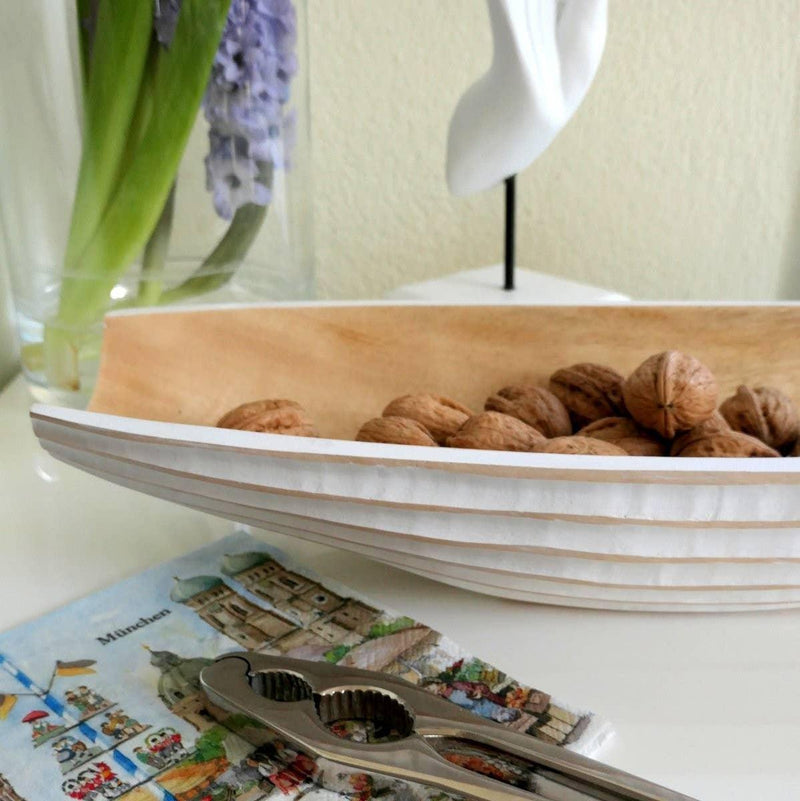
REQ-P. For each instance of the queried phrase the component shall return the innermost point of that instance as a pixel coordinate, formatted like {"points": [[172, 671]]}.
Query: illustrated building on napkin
{"points": [[101, 699]]}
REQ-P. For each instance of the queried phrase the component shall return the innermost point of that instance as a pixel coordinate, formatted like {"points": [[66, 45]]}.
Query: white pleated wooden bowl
{"points": [[636, 533]]}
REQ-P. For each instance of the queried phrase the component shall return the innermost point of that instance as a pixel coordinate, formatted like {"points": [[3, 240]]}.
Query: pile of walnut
{"points": [[667, 406]]}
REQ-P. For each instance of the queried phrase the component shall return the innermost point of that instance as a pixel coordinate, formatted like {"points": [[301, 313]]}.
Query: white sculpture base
{"points": [[485, 285]]}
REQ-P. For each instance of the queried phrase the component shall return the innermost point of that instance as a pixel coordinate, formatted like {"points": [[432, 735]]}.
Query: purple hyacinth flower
{"points": [[232, 175], [250, 131], [165, 19]]}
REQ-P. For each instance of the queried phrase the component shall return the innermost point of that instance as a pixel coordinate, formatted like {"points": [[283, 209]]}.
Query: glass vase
{"points": [[151, 154]]}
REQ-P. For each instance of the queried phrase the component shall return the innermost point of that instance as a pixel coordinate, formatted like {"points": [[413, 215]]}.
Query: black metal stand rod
{"points": [[509, 231]]}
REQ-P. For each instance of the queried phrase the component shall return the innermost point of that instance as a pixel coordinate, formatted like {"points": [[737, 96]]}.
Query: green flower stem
{"points": [[133, 210], [220, 265], [144, 107], [155, 256], [215, 271], [61, 353], [32, 357], [113, 219], [119, 48]]}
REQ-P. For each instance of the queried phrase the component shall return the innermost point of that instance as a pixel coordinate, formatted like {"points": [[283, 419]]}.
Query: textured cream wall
{"points": [[679, 177]]}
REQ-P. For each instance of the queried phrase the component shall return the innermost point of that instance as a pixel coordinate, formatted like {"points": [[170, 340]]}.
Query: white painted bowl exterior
{"points": [[663, 535]]}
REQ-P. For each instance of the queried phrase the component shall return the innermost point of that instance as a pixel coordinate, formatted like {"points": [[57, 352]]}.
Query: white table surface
{"points": [[706, 704]]}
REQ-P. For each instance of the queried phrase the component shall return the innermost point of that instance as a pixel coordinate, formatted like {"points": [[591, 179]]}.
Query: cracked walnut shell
{"points": [[670, 392], [763, 412], [395, 430], [442, 417], [271, 416], [494, 431], [589, 391], [535, 406]]}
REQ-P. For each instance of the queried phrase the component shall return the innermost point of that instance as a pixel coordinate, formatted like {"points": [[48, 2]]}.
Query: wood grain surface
{"points": [[345, 363]]}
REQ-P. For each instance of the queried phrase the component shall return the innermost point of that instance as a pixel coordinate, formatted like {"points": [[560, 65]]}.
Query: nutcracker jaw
{"points": [[216, 704], [303, 702]]}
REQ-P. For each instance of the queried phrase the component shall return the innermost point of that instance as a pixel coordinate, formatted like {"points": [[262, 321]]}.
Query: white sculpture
{"points": [[546, 53]]}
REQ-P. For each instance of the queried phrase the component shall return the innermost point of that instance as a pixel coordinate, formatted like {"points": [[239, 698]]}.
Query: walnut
{"points": [[581, 446], [277, 416], [494, 431], [626, 434], [765, 413], [589, 391], [396, 430], [715, 424], [670, 392], [730, 444], [533, 405], [442, 417]]}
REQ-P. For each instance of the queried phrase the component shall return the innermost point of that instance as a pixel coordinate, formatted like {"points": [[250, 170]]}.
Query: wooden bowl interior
{"points": [[345, 363]]}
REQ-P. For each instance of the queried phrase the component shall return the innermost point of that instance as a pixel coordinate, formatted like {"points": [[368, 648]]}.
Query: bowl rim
{"points": [[305, 304], [541, 466]]}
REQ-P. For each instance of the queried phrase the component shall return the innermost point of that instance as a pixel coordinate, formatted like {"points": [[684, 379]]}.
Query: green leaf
{"points": [[181, 74], [119, 47]]}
